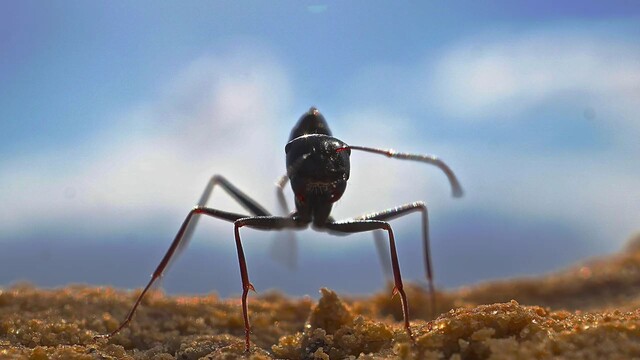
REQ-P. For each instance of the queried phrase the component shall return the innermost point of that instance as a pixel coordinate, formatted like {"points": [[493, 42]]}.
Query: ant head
{"points": [[318, 167]]}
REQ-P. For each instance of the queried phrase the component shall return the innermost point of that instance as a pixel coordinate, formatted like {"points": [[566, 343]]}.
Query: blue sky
{"points": [[114, 114]]}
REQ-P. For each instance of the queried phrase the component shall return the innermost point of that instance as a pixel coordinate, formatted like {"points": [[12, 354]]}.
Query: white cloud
{"points": [[495, 78], [503, 76], [224, 114], [217, 116], [221, 114], [596, 194]]}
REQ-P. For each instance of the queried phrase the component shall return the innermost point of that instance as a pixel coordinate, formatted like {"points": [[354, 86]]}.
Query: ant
{"points": [[318, 169]]}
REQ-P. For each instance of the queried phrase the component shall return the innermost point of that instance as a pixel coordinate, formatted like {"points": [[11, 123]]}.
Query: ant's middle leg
{"points": [[243, 199], [177, 243]]}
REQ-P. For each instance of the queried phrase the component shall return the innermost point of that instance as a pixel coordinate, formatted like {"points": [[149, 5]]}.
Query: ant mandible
{"points": [[318, 168]]}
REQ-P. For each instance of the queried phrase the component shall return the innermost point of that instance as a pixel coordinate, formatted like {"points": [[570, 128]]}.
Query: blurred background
{"points": [[113, 116]]}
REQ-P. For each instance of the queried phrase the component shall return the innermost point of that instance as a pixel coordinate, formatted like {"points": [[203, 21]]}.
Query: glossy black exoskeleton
{"points": [[318, 168]]}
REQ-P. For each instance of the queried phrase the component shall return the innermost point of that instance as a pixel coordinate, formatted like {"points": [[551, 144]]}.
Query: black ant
{"points": [[318, 168]]}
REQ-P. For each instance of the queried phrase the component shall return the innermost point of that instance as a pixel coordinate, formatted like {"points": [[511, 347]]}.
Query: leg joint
{"points": [[217, 178], [421, 205], [198, 209]]}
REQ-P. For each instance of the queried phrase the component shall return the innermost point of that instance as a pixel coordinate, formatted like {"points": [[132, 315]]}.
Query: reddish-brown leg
{"points": [[399, 211], [169, 254], [246, 285], [357, 225], [262, 223]]}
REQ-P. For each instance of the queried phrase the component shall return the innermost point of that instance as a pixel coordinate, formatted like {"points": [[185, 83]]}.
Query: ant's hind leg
{"points": [[285, 251], [282, 201], [383, 253]]}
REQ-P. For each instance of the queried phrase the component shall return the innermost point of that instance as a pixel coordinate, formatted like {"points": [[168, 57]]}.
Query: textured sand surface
{"points": [[585, 312]]}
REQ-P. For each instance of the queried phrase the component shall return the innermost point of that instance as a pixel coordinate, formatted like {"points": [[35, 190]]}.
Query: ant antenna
{"points": [[456, 188]]}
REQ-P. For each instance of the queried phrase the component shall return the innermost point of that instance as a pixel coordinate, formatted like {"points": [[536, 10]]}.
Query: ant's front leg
{"points": [[177, 243], [261, 223], [397, 212], [361, 225]]}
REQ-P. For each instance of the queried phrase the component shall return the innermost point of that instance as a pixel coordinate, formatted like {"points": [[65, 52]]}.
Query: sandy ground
{"points": [[587, 311]]}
